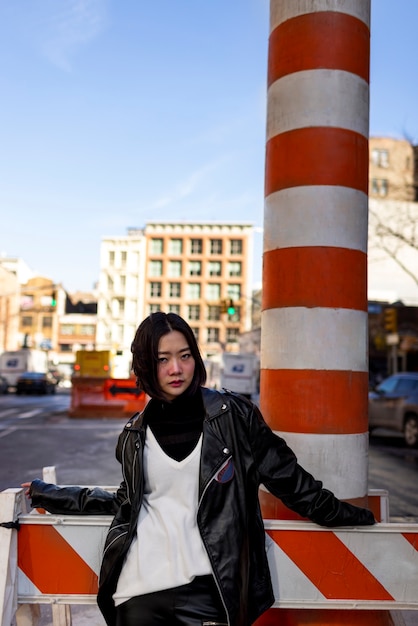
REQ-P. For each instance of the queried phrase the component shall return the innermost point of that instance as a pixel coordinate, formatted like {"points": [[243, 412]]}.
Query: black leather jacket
{"points": [[239, 452]]}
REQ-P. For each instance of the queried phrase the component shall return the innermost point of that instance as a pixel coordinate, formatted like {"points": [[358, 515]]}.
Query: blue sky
{"points": [[115, 112]]}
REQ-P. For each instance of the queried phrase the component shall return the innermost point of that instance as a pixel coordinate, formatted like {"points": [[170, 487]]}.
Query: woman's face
{"points": [[175, 365]]}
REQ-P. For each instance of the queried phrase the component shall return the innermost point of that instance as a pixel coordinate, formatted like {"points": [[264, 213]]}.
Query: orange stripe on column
{"points": [[52, 564], [317, 156], [318, 277], [315, 401], [330, 566], [309, 42]]}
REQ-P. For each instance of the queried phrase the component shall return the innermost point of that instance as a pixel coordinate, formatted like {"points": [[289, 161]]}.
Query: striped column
{"points": [[314, 377]]}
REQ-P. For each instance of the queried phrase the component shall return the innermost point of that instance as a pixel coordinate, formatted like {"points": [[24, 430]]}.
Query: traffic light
{"points": [[54, 298], [391, 320], [230, 308]]}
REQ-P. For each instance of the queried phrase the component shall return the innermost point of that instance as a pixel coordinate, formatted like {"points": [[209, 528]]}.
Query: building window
{"points": [[155, 268], [155, 289], [232, 335], [213, 291], [156, 246], [175, 246], [154, 308], [123, 256], [212, 335], [214, 313], [215, 268], [234, 291], [380, 186], [175, 269], [194, 312], [109, 283], [111, 257], [216, 246], [120, 305], [235, 246], [27, 320], [193, 291], [380, 157], [87, 329], [235, 268], [195, 268], [65, 347], [122, 281], [47, 321], [196, 246], [174, 308], [175, 290], [196, 333], [67, 329]]}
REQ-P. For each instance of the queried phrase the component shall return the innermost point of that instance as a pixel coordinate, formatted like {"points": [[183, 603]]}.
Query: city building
{"points": [[392, 169], [9, 309], [202, 271]]}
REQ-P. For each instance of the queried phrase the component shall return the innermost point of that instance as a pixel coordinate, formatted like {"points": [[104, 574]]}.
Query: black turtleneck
{"points": [[177, 425]]}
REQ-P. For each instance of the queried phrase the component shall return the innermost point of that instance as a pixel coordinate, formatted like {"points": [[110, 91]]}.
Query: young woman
{"points": [[186, 545]]}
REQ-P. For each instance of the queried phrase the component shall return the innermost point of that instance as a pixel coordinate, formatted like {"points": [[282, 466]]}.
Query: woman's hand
{"points": [[26, 487]]}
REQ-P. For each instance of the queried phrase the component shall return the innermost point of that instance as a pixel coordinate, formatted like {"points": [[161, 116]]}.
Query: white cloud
{"points": [[65, 27]]}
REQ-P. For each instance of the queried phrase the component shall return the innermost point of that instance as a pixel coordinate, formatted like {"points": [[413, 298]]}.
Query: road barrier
{"points": [[54, 559], [105, 397]]}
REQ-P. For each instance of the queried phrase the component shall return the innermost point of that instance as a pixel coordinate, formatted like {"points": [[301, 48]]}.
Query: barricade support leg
{"points": [[12, 503], [61, 615]]}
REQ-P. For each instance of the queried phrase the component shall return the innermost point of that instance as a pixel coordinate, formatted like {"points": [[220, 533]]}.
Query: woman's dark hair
{"points": [[144, 349]]}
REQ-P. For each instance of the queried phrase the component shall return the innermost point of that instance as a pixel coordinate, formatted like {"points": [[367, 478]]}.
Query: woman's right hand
{"points": [[26, 487]]}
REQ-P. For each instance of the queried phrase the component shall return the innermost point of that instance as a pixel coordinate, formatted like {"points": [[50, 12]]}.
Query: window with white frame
{"points": [[213, 291], [234, 291], [155, 268], [212, 335], [215, 268], [111, 257], [175, 246], [156, 246], [380, 157], [234, 268], [196, 246], [195, 268], [155, 289], [216, 246], [232, 335], [213, 313], [174, 269], [174, 308], [174, 290], [154, 308], [193, 291], [194, 312], [235, 246]]}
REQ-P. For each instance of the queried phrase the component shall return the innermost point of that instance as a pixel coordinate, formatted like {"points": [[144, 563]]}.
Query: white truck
{"points": [[13, 363], [240, 372]]}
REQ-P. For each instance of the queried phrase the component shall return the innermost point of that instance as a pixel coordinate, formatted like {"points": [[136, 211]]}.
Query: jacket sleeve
{"points": [[72, 500], [282, 475]]}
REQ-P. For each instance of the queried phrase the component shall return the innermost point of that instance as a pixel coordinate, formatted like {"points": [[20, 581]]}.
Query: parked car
{"points": [[393, 404], [36, 382], [4, 385]]}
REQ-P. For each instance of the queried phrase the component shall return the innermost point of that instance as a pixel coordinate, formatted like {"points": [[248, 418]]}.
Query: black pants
{"points": [[195, 604]]}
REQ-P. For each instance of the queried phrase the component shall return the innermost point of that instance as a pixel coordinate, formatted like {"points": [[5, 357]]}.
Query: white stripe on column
{"points": [[316, 216], [282, 11], [314, 338], [345, 454], [306, 99]]}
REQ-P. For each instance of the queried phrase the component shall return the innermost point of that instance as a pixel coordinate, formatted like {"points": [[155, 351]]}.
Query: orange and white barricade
{"points": [[55, 560]]}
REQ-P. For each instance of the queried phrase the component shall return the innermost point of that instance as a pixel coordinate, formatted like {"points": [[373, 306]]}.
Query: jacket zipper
{"points": [[213, 570]]}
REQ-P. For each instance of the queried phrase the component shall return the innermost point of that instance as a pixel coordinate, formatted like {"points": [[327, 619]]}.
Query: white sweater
{"points": [[168, 550]]}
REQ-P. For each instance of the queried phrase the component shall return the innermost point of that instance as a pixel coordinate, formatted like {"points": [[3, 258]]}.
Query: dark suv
{"points": [[394, 405]]}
